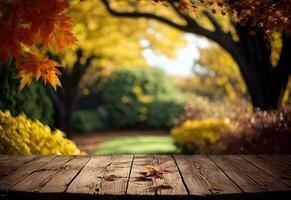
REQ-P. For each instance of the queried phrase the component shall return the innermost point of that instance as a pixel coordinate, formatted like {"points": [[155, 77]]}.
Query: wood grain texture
{"points": [[103, 175], [277, 169], [245, 183], [203, 177], [61, 179], [8, 164], [36, 179], [119, 176], [170, 184], [5, 157], [266, 181], [7, 182], [283, 158]]}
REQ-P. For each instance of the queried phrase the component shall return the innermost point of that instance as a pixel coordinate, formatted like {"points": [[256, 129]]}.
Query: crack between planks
{"points": [[28, 161], [254, 164], [129, 175], [202, 175], [77, 174], [182, 178], [259, 184], [225, 173], [54, 172]]}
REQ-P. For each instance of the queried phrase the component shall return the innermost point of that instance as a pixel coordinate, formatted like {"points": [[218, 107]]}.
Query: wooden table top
{"points": [[120, 176]]}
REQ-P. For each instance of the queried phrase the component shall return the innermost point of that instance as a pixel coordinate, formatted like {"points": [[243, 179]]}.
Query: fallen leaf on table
{"points": [[154, 171], [151, 173]]}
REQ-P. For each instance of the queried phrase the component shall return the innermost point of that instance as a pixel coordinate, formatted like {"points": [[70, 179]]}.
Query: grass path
{"points": [[148, 144], [126, 142]]}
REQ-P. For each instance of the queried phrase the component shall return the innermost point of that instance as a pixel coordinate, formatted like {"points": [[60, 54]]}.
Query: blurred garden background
{"points": [[138, 84]]}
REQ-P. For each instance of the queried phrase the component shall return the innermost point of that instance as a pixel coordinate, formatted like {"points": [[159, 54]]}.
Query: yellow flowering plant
{"points": [[200, 136], [22, 136]]}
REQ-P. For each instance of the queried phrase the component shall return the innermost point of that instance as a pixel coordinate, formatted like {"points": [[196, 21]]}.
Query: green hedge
{"points": [[142, 97], [163, 112], [33, 100], [86, 121]]}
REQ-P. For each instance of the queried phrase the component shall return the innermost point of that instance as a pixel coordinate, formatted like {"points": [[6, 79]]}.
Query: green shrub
{"points": [[147, 97], [86, 121], [33, 100], [162, 113]]}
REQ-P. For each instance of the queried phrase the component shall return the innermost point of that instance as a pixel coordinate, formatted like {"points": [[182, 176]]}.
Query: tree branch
{"points": [[144, 15], [79, 69], [223, 39], [214, 22], [187, 18], [89, 60], [219, 36]]}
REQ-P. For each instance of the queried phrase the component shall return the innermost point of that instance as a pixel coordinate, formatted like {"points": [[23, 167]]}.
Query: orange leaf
{"points": [[31, 67], [61, 34], [153, 171]]}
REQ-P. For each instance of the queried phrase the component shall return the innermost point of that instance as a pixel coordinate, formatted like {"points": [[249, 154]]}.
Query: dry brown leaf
{"points": [[154, 171]]}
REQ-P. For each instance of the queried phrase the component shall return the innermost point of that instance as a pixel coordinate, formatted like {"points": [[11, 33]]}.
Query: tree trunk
{"points": [[267, 97], [265, 83], [65, 99]]}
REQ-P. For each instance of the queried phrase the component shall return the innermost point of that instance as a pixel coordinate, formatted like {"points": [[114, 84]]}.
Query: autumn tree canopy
{"points": [[114, 42], [248, 38], [30, 24], [105, 43], [270, 15]]}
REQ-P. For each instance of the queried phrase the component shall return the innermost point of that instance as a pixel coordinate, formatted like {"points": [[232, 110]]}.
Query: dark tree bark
{"points": [[265, 83], [65, 98]]}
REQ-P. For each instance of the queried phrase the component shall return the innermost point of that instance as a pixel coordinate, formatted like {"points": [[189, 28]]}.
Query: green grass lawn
{"points": [[137, 145]]}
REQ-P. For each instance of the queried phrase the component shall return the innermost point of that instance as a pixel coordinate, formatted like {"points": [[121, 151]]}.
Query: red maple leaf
{"points": [[53, 26]]}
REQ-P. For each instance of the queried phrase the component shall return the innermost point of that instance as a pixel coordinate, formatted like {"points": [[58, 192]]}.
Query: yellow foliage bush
{"points": [[22, 136], [200, 136]]}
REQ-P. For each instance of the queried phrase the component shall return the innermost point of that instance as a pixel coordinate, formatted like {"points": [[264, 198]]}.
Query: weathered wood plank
{"points": [[203, 177], [8, 164], [66, 177], [103, 175], [170, 184], [244, 182], [172, 177], [35, 180], [60, 181], [5, 157], [272, 166], [283, 158], [7, 182], [266, 181], [136, 186]]}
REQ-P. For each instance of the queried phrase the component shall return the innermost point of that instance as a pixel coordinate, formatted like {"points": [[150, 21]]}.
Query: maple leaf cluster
{"points": [[215, 6], [268, 15], [26, 24]]}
